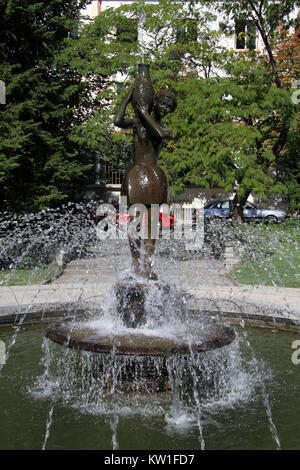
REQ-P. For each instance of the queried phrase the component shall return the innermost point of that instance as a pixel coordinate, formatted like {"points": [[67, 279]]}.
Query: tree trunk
{"points": [[237, 206]]}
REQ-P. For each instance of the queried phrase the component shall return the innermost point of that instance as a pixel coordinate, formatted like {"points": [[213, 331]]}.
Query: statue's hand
{"points": [[142, 107], [129, 93], [167, 134]]}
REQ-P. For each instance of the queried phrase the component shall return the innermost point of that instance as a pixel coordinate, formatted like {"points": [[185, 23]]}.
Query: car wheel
{"points": [[271, 219]]}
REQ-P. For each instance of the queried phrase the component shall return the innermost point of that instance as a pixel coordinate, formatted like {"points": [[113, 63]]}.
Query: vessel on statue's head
{"points": [[142, 88]]}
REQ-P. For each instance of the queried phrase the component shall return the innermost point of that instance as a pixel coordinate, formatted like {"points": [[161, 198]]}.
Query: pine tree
{"points": [[38, 160]]}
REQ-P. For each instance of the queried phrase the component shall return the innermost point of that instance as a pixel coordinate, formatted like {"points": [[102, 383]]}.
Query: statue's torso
{"points": [[145, 182]]}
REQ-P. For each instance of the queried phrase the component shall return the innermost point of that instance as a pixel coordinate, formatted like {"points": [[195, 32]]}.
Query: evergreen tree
{"points": [[44, 100]]}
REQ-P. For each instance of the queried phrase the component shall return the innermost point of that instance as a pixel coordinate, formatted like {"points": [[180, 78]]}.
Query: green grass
{"points": [[272, 255], [21, 277]]}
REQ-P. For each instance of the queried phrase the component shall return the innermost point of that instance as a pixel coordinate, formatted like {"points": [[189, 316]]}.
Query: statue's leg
{"points": [[142, 250], [149, 245], [135, 248]]}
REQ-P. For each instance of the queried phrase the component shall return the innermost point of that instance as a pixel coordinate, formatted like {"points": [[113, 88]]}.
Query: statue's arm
{"points": [[155, 128], [120, 119]]}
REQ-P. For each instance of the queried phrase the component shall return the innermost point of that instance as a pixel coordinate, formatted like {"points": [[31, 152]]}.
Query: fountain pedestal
{"points": [[131, 297], [140, 358]]}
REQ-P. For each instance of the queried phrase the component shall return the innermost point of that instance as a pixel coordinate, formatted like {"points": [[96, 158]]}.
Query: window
{"points": [[222, 205], [74, 34], [245, 32], [225, 205], [187, 31], [248, 205], [120, 87], [112, 177]]}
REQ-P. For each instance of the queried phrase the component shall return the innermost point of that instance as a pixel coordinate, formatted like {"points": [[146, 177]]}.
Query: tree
{"points": [[105, 50], [225, 130], [179, 41], [287, 56], [229, 128], [44, 99], [267, 16]]}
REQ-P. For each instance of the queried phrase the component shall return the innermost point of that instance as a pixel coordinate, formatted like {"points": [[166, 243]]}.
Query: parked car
{"points": [[222, 209]]}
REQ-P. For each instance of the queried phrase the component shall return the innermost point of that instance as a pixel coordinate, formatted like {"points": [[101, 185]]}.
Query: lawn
{"points": [[271, 254], [20, 277]]}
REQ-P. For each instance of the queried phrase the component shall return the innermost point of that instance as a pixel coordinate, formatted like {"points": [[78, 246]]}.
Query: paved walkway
{"points": [[85, 282], [186, 273]]}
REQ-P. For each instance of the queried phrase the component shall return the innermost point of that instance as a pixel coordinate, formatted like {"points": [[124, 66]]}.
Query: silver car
{"points": [[222, 209]]}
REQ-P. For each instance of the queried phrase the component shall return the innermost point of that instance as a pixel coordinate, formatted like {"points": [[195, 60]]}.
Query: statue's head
{"points": [[164, 102]]}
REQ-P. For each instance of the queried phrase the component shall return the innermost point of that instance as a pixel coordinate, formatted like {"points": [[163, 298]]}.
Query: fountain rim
{"points": [[135, 343]]}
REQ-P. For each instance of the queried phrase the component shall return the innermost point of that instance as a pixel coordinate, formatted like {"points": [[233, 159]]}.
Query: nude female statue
{"points": [[146, 183]]}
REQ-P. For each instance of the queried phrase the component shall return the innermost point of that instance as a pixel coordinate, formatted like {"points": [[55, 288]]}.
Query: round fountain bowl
{"points": [[142, 355], [134, 342]]}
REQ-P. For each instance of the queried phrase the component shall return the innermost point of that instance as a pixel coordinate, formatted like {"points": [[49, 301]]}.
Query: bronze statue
{"points": [[146, 183]]}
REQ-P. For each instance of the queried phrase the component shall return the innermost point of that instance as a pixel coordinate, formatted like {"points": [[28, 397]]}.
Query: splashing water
{"points": [[28, 241], [89, 383]]}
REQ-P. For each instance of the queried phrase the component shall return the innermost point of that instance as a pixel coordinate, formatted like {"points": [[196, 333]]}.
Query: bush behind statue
{"points": [[31, 240]]}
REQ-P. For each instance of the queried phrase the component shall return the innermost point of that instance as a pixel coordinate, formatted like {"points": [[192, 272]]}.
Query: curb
{"points": [[266, 307]]}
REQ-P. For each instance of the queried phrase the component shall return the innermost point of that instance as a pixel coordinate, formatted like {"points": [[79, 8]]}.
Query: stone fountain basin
{"points": [[82, 336]]}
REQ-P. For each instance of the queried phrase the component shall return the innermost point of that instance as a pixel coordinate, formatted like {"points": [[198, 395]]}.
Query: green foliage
{"points": [[223, 131], [62, 94], [272, 254], [22, 277], [38, 161], [107, 53], [224, 128], [288, 167]]}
